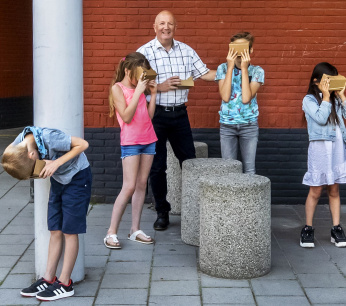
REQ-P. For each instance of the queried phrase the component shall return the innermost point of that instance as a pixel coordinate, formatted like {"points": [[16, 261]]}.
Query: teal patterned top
{"points": [[234, 111]]}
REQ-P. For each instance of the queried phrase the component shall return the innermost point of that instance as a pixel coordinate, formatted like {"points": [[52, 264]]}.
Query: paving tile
{"points": [[188, 287], [122, 297], [227, 296], [95, 261], [169, 300], [13, 297], [282, 301], [123, 281], [175, 261], [23, 267], [128, 267], [174, 273], [214, 282], [12, 249], [8, 261], [322, 280], [138, 255], [276, 287], [329, 296], [93, 274], [4, 272], [179, 249], [86, 288], [74, 300], [18, 281]]}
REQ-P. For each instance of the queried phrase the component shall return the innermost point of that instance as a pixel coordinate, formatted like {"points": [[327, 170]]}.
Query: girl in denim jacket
{"points": [[324, 110]]}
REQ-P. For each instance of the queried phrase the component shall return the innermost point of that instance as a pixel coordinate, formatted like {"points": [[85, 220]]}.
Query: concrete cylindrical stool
{"points": [[193, 170], [174, 175], [235, 226]]}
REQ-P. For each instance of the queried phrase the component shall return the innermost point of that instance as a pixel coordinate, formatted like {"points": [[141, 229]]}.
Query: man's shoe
{"points": [[338, 236], [37, 287], [162, 221], [307, 237], [56, 291]]}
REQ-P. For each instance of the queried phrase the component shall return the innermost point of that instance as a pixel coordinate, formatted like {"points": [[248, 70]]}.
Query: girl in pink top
{"points": [[137, 139]]}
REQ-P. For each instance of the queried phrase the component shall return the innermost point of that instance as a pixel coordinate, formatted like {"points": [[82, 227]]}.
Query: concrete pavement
{"points": [[167, 273]]}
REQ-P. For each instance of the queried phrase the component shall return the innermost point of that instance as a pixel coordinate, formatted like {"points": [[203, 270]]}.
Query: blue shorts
{"points": [[138, 149], [68, 204]]}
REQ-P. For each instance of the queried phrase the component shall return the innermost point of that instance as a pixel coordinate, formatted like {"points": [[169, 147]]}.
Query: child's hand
{"points": [[231, 56], [152, 86], [341, 94], [50, 168], [324, 87], [142, 84], [245, 59]]}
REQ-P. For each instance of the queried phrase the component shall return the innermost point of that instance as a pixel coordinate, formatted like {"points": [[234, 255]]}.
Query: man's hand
{"points": [[50, 168], [169, 84]]}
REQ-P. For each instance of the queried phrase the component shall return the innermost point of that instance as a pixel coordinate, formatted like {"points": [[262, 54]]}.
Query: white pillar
{"points": [[58, 97]]}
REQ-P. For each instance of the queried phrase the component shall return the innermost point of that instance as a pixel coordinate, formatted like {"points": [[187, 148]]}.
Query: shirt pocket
{"points": [[183, 73]]}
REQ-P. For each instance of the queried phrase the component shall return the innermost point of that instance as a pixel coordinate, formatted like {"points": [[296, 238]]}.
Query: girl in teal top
{"points": [[239, 82]]}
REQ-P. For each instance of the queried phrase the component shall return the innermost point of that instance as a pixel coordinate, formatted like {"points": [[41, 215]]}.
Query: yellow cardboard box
{"points": [[239, 47], [148, 74], [337, 82], [186, 84], [39, 165]]}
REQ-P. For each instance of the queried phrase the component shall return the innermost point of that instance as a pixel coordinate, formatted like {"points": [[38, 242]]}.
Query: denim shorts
{"points": [[68, 204], [138, 149]]}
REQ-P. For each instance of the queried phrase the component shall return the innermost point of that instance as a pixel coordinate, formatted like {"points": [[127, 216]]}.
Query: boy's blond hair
{"points": [[16, 162]]}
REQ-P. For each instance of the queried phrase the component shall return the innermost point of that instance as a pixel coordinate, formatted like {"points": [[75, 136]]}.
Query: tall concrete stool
{"points": [[235, 226], [174, 175], [193, 170]]}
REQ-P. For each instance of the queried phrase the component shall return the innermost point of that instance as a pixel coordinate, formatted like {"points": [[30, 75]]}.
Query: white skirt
{"points": [[326, 162]]}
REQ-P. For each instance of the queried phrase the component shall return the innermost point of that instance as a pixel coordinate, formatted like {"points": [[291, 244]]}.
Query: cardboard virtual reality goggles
{"points": [[148, 74], [39, 165], [239, 47], [186, 84], [337, 82]]}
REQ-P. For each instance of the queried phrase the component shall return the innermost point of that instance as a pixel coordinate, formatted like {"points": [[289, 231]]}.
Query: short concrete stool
{"points": [[235, 226], [193, 170], [174, 175]]}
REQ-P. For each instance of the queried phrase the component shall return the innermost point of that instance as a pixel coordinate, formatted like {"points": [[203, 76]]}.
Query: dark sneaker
{"points": [[162, 221], [338, 236], [307, 237], [56, 291], [37, 287]]}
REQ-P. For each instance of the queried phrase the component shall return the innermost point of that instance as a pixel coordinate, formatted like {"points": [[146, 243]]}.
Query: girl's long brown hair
{"points": [[130, 62]]}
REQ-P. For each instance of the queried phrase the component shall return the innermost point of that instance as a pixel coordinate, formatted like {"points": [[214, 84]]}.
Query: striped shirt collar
{"points": [[158, 45]]}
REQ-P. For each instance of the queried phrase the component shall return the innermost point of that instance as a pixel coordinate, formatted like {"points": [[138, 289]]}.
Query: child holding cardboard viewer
{"points": [[239, 82], [325, 109], [137, 141], [70, 177]]}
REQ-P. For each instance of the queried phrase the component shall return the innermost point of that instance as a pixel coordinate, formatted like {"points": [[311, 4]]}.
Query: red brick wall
{"points": [[15, 48], [291, 37]]}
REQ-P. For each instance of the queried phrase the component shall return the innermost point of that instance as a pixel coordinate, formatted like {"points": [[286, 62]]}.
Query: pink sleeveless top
{"points": [[140, 130]]}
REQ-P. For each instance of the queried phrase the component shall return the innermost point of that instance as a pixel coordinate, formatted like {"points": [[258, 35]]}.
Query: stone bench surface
{"points": [[193, 171], [235, 235]]}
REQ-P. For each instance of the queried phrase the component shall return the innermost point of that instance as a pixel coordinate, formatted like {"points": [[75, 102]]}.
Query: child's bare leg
{"points": [[311, 203], [70, 256], [139, 194], [54, 253], [334, 203], [130, 171]]}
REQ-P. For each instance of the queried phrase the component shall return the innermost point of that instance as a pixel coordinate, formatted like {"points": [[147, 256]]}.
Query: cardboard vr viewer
{"points": [[239, 47], [39, 165], [148, 74], [337, 82], [186, 84]]}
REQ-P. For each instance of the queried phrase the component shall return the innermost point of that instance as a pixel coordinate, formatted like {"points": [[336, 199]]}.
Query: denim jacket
{"points": [[317, 118]]}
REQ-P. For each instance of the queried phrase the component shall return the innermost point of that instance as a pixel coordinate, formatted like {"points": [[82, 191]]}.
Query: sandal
{"points": [[114, 239], [134, 237]]}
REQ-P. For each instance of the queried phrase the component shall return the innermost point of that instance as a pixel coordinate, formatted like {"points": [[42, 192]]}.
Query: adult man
{"points": [[173, 61]]}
